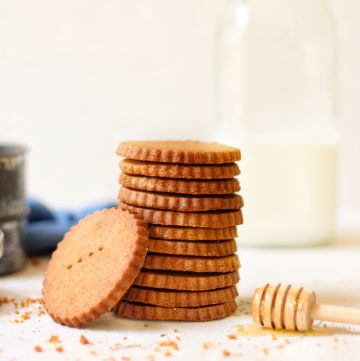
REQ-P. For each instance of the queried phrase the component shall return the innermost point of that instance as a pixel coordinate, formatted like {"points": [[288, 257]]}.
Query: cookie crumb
{"points": [[146, 325], [34, 261], [335, 339], [84, 340], [25, 316], [273, 337], [265, 351], [54, 339], [59, 349], [38, 348], [117, 346], [206, 345], [168, 353], [226, 353], [232, 337], [169, 343]]}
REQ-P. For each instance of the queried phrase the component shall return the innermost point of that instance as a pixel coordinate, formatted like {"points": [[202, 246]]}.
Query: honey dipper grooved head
{"points": [[283, 307]]}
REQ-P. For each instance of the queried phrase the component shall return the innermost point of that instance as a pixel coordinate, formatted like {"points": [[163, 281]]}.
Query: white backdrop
{"points": [[77, 77]]}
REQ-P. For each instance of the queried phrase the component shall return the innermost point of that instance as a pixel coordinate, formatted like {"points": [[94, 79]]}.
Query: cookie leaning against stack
{"points": [[185, 190]]}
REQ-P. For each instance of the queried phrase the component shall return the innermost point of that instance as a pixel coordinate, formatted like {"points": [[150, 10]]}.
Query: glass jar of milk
{"points": [[276, 101]]}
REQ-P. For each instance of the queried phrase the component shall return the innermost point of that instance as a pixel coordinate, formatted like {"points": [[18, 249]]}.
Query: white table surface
{"points": [[333, 272]]}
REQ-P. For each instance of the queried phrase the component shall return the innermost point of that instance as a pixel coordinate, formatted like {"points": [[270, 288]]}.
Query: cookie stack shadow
{"points": [[186, 192]]}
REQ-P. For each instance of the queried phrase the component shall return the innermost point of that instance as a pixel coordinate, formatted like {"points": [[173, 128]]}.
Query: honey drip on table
{"points": [[252, 330]]}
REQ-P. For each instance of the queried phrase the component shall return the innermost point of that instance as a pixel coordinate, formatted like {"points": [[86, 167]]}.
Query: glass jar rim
{"points": [[11, 149]]}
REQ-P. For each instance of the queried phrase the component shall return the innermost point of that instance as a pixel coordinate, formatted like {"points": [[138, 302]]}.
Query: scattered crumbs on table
{"points": [[178, 338], [168, 353], [146, 325], [162, 334], [38, 348], [126, 358], [232, 337], [125, 338], [150, 357], [226, 353], [273, 337], [84, 340], [176, 330], [23, 304], [265, 351], [335, 339]]}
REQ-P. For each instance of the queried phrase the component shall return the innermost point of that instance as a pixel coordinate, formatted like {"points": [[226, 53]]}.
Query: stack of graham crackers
{"points": [[185, 190]]}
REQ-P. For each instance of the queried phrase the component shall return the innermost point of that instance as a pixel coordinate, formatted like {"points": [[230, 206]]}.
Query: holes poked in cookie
{"points": [[81, 259]]}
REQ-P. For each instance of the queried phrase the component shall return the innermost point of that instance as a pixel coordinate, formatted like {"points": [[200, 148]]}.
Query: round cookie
{"points": [[187, 219], [183, 152], [94, 265], [179, 171], [168, 298], [190, 233], [194, 219], [182, 203], [162, 262], [188, 248], [186, 281], [167, 185], [147, 312]]}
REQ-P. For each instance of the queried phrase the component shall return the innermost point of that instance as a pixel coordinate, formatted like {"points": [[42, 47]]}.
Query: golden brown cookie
{"points": [[94, 265], [179, 171], [188, 248], [182, 203], [187, 219], [167, 185], [163, 262], [146, 312], [183, 152], [167, 298], [186, 281], [190, 233]]}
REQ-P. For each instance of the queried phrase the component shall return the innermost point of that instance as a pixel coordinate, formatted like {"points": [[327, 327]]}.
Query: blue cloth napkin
{"points": [[45, 227]]}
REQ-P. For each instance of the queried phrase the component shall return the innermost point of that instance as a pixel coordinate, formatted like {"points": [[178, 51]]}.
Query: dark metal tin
{"points": [[12, 182], [13, 258], [13, 208]]}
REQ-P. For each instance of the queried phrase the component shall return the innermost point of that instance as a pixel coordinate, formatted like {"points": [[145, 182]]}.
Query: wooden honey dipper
{"points": [[285, 307]]}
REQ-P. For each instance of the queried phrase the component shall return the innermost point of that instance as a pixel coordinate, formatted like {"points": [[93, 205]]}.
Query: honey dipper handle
{"points": [[335, 314]]}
